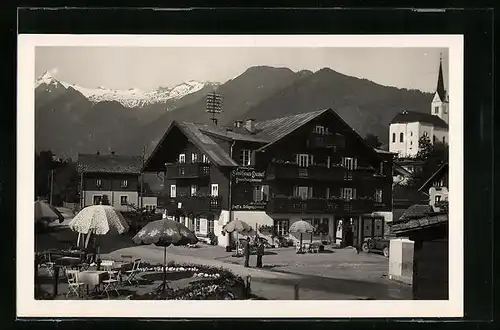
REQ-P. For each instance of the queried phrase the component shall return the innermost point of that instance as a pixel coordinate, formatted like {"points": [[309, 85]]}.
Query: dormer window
{"points": [[246, 157], [98, 183]]}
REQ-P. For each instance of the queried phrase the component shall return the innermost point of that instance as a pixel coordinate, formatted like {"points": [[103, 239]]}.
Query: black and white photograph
{"points": [[307, 171]]}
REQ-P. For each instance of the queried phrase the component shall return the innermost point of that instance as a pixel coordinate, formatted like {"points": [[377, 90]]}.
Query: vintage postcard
{"points": [[316, 174]]}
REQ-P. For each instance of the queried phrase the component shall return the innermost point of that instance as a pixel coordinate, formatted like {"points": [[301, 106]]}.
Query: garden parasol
{"points": [[239, 227], [164, 233], [301, 227], [47, 212], [98, 220]]}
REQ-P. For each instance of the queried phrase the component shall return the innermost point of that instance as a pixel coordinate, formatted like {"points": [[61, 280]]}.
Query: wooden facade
{"points": [[318, 168]]}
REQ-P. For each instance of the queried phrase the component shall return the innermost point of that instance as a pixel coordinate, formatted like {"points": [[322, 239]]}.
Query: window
{"points": [[98, 183], [436, 110], [437, 198], [393, 137], [123, 200], [214, 189], [401, 137], [197, 224], [320, 225], [411, 143], [304, 160], [182, 171], [303, 192], [173, 190], [444, 140], [411, 133], [124, 183], [246, 157], [194, 189], [97, 199], [204, 159], [260, 193], [433, 139], [282, 226], [378, 196], [382, 168], [349, 163], [348, 193], [319, 129], [182, 158], [426, 134], [194, 158], [445, 110], [210, 225]]}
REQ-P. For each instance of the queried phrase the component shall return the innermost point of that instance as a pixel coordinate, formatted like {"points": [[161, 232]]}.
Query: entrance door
{"points": [[97, 199]]}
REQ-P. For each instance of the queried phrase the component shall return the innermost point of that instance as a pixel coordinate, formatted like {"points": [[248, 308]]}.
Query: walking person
{"points": [[246, 251], [260, 253]]}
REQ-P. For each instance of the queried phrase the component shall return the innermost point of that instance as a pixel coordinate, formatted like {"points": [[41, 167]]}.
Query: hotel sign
{"points": [[245, 174], [251, 206]]}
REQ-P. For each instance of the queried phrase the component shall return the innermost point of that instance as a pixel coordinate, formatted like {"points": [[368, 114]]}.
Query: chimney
{"points": [[238, 123], [112, 153], [97, 153], [250, 125]]}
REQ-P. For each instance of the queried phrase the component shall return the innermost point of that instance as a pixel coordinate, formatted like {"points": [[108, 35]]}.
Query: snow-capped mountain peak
{"points": [[132, 97], [49, 80]]}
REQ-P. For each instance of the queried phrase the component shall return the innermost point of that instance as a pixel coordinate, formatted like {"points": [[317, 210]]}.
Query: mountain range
{"points": [[70, 119]]}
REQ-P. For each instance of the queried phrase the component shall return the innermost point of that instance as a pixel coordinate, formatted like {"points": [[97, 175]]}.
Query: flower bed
{"points": [[214, 284]]}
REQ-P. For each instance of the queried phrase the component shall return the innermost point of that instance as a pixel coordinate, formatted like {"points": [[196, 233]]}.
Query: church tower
{"points": [[440, 104]]}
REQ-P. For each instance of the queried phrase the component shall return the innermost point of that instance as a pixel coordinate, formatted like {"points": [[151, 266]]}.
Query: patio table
{"points": [[92, 278]]}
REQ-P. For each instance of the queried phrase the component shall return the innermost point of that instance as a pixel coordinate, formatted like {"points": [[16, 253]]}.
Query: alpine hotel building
{"points": [[310, 166]]}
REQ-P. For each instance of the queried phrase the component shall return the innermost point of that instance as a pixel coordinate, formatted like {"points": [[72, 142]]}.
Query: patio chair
{"points": [[107, 265], [131, 274], [74, 286], [49, 264], [111, 284]]}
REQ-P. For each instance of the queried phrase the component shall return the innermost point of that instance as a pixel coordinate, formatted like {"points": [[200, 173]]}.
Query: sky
{"points": [[149, 68]]}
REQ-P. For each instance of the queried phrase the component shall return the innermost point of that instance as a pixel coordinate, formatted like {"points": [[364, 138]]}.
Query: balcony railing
{"points": [[359, 205], [191, 170], [360, 173], [282, 204], [320, 141], [314, 172], [192, 204]]}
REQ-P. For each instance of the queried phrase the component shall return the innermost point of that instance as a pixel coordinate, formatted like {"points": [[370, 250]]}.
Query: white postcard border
{"points": [[27, 306]]}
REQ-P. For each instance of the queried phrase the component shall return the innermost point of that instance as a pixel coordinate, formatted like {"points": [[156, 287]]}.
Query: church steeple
{"points": [[440, 83]]}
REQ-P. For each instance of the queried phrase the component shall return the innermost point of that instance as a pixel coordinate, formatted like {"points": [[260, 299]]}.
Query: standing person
{"points": [[246, 251], [260, 253]]}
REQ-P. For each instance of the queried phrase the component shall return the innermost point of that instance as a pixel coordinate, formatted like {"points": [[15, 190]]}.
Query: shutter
{"points": [[309, 192], [354, 193], [328, 160], [252, 158]]}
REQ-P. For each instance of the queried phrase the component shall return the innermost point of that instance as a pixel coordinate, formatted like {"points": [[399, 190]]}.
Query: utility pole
{"points": [[51, 185], [143, 159]]}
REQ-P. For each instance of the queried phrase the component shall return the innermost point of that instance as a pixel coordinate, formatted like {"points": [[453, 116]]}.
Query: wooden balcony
{"points": [[314, 172], [191, 204], [282, 204], [320, 141], [359, 205], [359, 174], [188, 171]]}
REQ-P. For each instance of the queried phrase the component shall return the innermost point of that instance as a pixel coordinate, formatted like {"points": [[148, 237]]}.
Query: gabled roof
{"points": [[266, 133], [412, 117], [416, 211], [419, 223], [273, 130], [192, 131], [401, 170], [117, 164], [439, 172]]}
